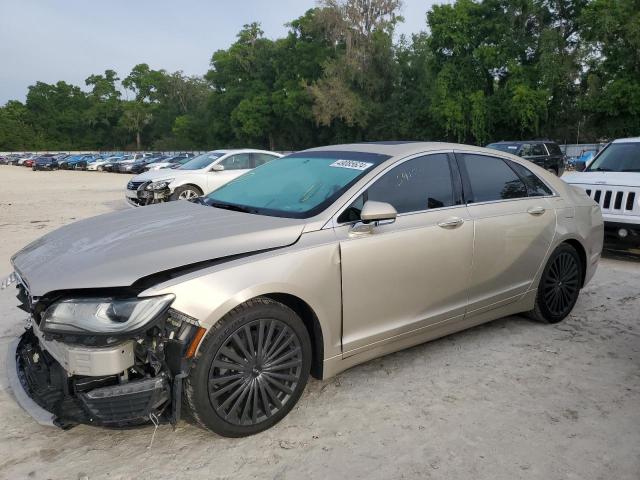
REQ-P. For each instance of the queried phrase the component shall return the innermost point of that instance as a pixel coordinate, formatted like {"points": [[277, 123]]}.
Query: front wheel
{"points": [[250, 369], [559, 286], [186, 192]]}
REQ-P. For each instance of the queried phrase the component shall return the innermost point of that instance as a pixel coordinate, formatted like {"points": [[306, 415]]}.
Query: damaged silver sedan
{"points": [[311, 264]]}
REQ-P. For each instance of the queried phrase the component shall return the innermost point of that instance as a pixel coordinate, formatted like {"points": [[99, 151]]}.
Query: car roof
{"points": [[627, 140], [519, 142], [398, 148], [239, 150]]}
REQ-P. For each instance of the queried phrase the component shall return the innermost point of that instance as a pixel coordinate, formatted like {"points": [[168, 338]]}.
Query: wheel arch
{"points": [[582, 253], [189, 184], [311, 323]]}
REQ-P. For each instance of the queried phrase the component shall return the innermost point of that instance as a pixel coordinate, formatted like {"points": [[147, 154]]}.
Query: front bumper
{"points": [[53, 396], [622, 234], [141, 196]]}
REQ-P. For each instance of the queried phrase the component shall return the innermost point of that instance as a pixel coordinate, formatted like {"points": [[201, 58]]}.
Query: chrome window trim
{"points": [[502, 200], [506, 156], [333, 221]]}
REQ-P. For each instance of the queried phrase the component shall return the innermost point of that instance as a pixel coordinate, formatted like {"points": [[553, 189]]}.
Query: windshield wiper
{"points": [[600, 169], [631, 170], [229, 206]]}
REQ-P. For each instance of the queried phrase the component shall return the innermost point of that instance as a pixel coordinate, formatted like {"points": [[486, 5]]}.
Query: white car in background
{"points": [[98, 164], [199, 176], [612, 179]]}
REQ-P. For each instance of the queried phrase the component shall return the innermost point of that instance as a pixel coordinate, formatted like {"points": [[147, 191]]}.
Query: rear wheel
{"points": [[559, 285], [186, 192], [250, 370]]}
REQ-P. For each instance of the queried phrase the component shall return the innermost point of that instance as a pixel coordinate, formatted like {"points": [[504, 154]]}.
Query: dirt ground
{"points": [[512, 399]]}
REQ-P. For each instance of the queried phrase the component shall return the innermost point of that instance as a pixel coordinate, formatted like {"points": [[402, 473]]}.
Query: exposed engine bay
{"points": [[114, 381]]}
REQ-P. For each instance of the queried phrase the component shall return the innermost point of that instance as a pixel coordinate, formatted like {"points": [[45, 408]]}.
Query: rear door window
{"points": [[239, 161], [535, 186], [538, 149], [554, 148], [492, 179], [262, 158]]}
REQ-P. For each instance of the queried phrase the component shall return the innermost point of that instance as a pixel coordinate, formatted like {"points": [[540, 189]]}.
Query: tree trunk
{"points": [[138, 140], [272, 143]]}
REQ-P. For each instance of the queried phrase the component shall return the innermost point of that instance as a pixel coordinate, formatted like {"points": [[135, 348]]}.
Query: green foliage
{"points": [[482, 70]]}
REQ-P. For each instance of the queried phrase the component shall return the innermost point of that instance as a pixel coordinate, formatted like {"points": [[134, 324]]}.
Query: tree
{"points": [[135, 118], [611, 30], [359, 78], [15, 131]]}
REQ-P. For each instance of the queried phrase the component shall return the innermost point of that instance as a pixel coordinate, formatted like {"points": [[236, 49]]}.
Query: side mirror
{"points": [[217, 168], [377, 212], [580, 165]]}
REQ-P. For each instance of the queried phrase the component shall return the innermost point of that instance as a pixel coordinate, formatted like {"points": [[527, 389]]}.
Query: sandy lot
{"points": [[512, 399]]}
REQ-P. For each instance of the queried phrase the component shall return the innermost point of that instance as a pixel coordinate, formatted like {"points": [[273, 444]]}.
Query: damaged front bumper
{"points": [[120, 385], [141, 196]]}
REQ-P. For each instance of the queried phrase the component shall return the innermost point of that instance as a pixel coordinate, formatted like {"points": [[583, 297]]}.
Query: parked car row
{"points": [[137, 162]]}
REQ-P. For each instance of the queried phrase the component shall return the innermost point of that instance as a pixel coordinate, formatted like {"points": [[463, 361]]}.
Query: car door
{"points": [[414, 272], [514, 227], [234, 166]]}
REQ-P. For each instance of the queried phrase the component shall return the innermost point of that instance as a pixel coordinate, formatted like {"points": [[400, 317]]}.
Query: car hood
{"points": [[160, 165], [621, 179], [155, 175], [116, 249]]}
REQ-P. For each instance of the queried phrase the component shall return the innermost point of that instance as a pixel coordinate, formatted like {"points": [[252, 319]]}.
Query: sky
{"points": [[46, 40]]}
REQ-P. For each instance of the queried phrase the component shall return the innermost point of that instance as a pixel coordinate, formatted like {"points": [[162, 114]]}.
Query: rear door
{"points": [[514, 227]]}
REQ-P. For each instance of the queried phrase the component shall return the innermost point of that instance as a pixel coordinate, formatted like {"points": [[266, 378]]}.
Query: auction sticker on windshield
{"points": [[352, 164]]}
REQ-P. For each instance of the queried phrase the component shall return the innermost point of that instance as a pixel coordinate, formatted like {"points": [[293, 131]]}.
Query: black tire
{"points": [[250, 369], [186, 192], [559, 286]]}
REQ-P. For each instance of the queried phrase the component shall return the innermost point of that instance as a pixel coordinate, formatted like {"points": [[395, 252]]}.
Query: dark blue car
{"points": [[45, 162]]}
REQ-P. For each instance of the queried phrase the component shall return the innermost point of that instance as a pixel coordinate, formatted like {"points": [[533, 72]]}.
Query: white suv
{"points": [[612, 179], [199, 176]]}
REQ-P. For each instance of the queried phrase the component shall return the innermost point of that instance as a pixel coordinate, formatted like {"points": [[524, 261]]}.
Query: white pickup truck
{"points": [[612, 179]]}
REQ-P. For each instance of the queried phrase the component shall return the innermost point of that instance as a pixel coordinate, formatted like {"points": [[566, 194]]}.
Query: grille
{"points": [[615, 200], [133, 185]]}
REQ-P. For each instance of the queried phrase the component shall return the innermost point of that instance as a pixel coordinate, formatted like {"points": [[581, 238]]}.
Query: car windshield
{"points": [[201, 161], [297, 186], [504, 147], [617, 157]]}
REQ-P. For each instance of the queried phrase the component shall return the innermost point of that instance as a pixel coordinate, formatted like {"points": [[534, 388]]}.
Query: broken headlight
{"points": [[103, 315], [159, 185]]}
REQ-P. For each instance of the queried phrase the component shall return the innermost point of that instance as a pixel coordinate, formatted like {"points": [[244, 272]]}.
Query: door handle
{"points": [[536, 211], [451, 222]]}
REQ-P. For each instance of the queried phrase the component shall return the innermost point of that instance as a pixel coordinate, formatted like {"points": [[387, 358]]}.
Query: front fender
{"points": [[308, 270]]}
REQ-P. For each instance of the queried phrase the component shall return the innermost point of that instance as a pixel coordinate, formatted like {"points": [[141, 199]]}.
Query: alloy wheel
{"points": [[255, 372], [188, 195], [561, 284]]}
